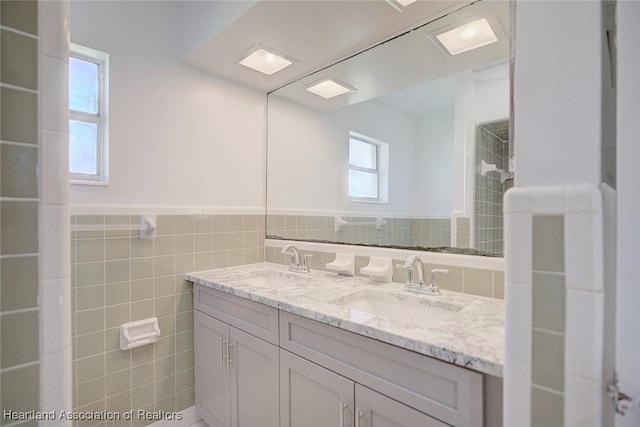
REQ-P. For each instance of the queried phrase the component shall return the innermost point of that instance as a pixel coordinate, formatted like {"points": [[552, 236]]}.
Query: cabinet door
{"points": [[254, 381], [311, 396], [212, 378], [376, 410]]}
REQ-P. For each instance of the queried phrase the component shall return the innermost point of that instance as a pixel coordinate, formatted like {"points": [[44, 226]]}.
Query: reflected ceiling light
{"points": [[399, 4], [328, 88], [265, 61], [467, 37]]}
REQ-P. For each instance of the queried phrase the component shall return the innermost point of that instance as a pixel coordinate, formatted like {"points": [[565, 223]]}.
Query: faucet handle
{"points": [[435, 271], [433, 289], [306, 258]]}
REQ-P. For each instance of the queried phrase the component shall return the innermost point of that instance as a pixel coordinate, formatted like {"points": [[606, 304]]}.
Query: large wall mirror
{"points": [[403, 145]]}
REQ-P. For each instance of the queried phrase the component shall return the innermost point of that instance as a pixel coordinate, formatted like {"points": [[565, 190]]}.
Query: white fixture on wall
{"points": [[329, 88], [344, 264], [139, 333], [147, 227], [485, 168], [380, 269], [265, 60], [340, 222]]}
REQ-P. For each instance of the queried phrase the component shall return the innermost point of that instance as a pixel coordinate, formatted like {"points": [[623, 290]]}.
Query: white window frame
{"points": [[101, 119], [381, 171]]}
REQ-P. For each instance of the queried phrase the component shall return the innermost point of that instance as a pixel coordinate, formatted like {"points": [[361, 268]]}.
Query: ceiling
{"points": [[398, 69], [427, 98], [315, 33]]}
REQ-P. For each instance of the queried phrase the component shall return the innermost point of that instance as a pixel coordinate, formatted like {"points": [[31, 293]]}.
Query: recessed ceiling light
{"points": [[467, 37], [329, 88], [265, 61], [399, 4], [405, 3]]}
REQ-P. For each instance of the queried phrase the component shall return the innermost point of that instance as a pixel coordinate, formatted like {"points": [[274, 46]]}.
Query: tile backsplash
{"points": [[117, 278], [474, 281]]}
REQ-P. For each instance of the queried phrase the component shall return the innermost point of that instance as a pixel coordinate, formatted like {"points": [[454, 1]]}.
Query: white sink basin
{"points": [[273, 279], [366, 308]]}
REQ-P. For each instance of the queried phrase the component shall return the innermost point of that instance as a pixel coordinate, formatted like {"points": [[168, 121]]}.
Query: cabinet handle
{"points": [[221, 352], [343, 406], [225, 352], [359, 415], [229, 350]]}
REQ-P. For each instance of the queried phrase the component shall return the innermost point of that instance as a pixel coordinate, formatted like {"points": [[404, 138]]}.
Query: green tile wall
{"points": [[548, 322], [117, 278], [492, 146], [426, 232], [19, 311]]}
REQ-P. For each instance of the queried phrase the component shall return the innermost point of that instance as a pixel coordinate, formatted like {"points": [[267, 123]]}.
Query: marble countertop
{"points": [[471, 334]]}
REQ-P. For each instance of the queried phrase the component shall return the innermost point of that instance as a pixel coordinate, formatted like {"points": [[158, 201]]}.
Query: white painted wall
{"points": [[481, 96], [432, 167], [308, 156], [433, 183], [557, 93], [628, 268], [177, 136]]}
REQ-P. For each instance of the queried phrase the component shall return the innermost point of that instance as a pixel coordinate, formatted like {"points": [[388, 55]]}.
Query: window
{"points": [[368, 165], [88, 143]]}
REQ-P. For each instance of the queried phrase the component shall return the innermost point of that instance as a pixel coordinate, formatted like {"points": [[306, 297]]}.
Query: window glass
{"points": [[83, 86], [363, 184], [362, 154], [83, 147]]}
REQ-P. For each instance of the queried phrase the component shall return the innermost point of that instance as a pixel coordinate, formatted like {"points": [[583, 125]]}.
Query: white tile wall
{"points": [[583, 402], [584, 334], [55, 265], [54, 170], [581, 206], [518, 321], [517, 383]]}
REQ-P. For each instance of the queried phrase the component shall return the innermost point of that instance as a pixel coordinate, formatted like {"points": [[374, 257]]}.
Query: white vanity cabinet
{"points": [[376, 410], [212, 375], [260, 366], [237, 379], [312, 396]]}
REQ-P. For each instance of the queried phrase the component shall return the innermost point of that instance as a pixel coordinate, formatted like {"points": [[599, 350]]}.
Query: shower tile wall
{"points": [[19, 206], [427, 232], [492, 146], [118, 278]]}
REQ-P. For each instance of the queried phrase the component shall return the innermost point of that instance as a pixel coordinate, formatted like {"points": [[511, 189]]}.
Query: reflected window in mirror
{"points": [[368, 165]]}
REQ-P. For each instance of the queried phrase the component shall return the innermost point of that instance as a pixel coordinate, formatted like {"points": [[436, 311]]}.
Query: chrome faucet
{"points": [[296, 263], [420, 286], [417, 261]]}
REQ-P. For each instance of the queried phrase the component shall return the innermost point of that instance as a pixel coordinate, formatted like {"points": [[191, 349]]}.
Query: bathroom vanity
{"points": [[274, 348]]}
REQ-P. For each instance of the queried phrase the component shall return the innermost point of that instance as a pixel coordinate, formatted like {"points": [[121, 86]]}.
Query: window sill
{"points": [[89, 183], [370, 201]]}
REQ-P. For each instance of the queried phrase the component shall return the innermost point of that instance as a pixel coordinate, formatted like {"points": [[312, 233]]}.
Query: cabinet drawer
{"points": [[444, 391], [257, 319]]}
